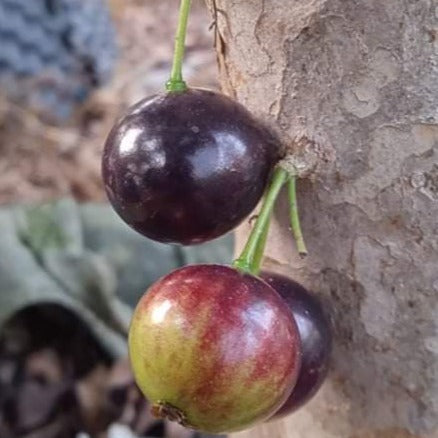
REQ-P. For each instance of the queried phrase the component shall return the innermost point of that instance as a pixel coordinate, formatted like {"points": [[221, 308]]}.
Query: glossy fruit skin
{"points": [[218, 346], [316, 340], [187, 167]]}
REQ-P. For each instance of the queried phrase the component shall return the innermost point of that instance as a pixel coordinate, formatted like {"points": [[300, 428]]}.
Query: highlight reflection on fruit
{"points": [[214, 349], [187, 167]]}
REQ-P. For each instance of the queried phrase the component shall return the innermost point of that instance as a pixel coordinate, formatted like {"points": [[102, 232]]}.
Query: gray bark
{"points": [[351, 88]]}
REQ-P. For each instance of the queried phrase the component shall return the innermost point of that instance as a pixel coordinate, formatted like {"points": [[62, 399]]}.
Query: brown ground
{"points": [[39, 162], [50, 388]]}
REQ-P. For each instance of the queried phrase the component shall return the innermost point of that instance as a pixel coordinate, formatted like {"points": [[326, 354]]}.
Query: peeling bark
{"points": [[356, 81]]}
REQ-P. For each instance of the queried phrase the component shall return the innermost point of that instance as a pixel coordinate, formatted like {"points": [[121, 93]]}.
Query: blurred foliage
{"points": [[40, 230], [84, 258]]}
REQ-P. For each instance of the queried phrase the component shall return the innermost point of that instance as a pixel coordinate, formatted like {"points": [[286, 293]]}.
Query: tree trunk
{"points": [[351, 87]]}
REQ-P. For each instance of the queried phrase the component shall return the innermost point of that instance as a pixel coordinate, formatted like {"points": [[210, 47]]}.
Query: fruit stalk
{"points": [[258, 258], [250, 259], [176, 81], [295, 217]]}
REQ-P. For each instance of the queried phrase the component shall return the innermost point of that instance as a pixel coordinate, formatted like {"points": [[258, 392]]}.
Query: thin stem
{"points": [[176, 82], [260, 250], [249, 259], [295, 217]]}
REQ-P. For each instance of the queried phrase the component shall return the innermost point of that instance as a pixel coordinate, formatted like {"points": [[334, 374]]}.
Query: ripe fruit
{"points": [[316, 340], [186, 167], [214, 349]]}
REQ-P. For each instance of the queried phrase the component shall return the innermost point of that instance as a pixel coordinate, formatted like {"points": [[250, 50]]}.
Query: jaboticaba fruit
{"points": [[315, 335], [187, 167], [214, 349]]}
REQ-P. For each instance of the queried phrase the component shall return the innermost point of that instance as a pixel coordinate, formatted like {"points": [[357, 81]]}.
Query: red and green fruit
{"points": [[214, 349], [187, 167], [316, 340]]}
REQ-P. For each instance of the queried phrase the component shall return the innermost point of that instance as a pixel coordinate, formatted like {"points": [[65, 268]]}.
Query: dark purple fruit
{"points": [[187, 167], [316, 340]]}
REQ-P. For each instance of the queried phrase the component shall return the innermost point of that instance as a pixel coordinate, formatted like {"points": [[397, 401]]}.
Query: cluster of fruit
{"points": [[216, 348]]}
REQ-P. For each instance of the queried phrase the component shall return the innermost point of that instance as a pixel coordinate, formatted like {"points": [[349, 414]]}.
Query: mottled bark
{"points": [[352, 89]]}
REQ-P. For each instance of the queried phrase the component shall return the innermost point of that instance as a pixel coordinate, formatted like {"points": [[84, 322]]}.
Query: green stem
{"points": [[250, 257], [295, 217], [176, 82], [260, 251]]}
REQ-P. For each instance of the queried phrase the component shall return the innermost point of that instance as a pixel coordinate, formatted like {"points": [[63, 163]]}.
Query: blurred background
{"points": [[70, 270]]}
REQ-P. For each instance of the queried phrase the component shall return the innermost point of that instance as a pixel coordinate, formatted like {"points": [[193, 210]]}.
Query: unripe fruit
{"points": [[214, 349]]}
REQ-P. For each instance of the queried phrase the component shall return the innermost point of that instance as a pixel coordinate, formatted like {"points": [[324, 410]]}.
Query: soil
{"points": [[57, 382]]}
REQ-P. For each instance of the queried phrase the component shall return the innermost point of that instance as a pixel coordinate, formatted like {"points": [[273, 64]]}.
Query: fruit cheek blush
{"points": [[223, 351]]}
